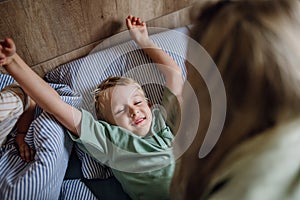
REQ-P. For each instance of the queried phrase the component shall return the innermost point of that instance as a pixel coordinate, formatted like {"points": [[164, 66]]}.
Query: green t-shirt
{"points": [[143, 165]]}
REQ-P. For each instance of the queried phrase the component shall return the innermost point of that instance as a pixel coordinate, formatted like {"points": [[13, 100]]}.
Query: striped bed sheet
{"points": [[75, 81], [43, 177]]}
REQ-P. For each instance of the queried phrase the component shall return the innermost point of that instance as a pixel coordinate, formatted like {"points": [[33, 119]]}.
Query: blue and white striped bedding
{"points": [[69, 190], [43, 178]]}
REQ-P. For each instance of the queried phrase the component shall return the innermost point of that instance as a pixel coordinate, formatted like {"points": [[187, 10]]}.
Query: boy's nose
{"points": [[133, 111]]}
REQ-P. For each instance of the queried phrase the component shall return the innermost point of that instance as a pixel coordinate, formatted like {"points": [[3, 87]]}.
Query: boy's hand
{"points": [[7, 50], [26, 153], [138, 29]]}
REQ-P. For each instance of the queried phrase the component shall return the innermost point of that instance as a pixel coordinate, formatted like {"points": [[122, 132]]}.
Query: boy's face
{"points": [[128, 109]]}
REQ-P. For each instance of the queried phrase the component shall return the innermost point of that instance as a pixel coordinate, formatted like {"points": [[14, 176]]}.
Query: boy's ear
{"points": [[149, 104]]}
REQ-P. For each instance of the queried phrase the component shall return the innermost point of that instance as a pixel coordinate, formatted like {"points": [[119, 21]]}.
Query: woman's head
{"points": [[121, 101], [255, 45], [256, 48]]}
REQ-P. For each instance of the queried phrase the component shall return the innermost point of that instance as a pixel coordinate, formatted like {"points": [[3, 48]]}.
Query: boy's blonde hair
{"points": [[101, 94]]}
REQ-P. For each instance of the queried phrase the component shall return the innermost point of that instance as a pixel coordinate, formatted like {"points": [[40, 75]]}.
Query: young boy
{"points": [[16, 108], [134, 140]]}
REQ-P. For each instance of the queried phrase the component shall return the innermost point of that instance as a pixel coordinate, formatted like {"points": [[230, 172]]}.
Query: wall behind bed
{"points": [[52, 32]]}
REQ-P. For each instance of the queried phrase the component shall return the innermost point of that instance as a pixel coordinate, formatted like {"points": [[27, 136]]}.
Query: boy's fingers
{"points": [[139, 21], [5, 43], [132, 21], [2, 62], [128, 23], [9, 44]]}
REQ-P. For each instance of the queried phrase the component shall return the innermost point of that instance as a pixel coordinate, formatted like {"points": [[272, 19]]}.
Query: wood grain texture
{"points": [[52, 32]]}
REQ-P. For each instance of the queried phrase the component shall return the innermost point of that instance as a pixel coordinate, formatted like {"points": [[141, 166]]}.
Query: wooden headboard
{"points": [[49, 33]]}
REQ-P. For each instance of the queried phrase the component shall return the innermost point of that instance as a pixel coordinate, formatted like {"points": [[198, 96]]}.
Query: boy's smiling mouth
{"points": [[139, 120]]}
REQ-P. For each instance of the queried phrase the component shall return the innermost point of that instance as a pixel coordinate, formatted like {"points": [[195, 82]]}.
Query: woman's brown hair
{"points": [[255, 45]]}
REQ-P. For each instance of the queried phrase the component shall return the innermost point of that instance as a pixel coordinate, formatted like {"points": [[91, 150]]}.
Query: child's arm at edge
{"points": [[167, 66], [26, 153], [38, 89]]}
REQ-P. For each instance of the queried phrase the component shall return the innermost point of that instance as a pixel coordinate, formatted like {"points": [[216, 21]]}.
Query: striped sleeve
{"points": [[12, 104]]}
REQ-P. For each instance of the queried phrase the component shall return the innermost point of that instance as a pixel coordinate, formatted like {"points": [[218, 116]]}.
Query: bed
{"points": [[60, 170]]}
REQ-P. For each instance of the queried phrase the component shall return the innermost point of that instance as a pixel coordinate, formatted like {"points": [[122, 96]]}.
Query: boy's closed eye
{"points": [[137, 102], [120, 110]]}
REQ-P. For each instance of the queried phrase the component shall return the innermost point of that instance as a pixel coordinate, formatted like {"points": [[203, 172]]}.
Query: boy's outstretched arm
{"points": [[45, 96], [167, 66]]}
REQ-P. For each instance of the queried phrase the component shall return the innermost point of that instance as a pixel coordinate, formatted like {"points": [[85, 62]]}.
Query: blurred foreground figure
{"points": [[256, 47]]}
